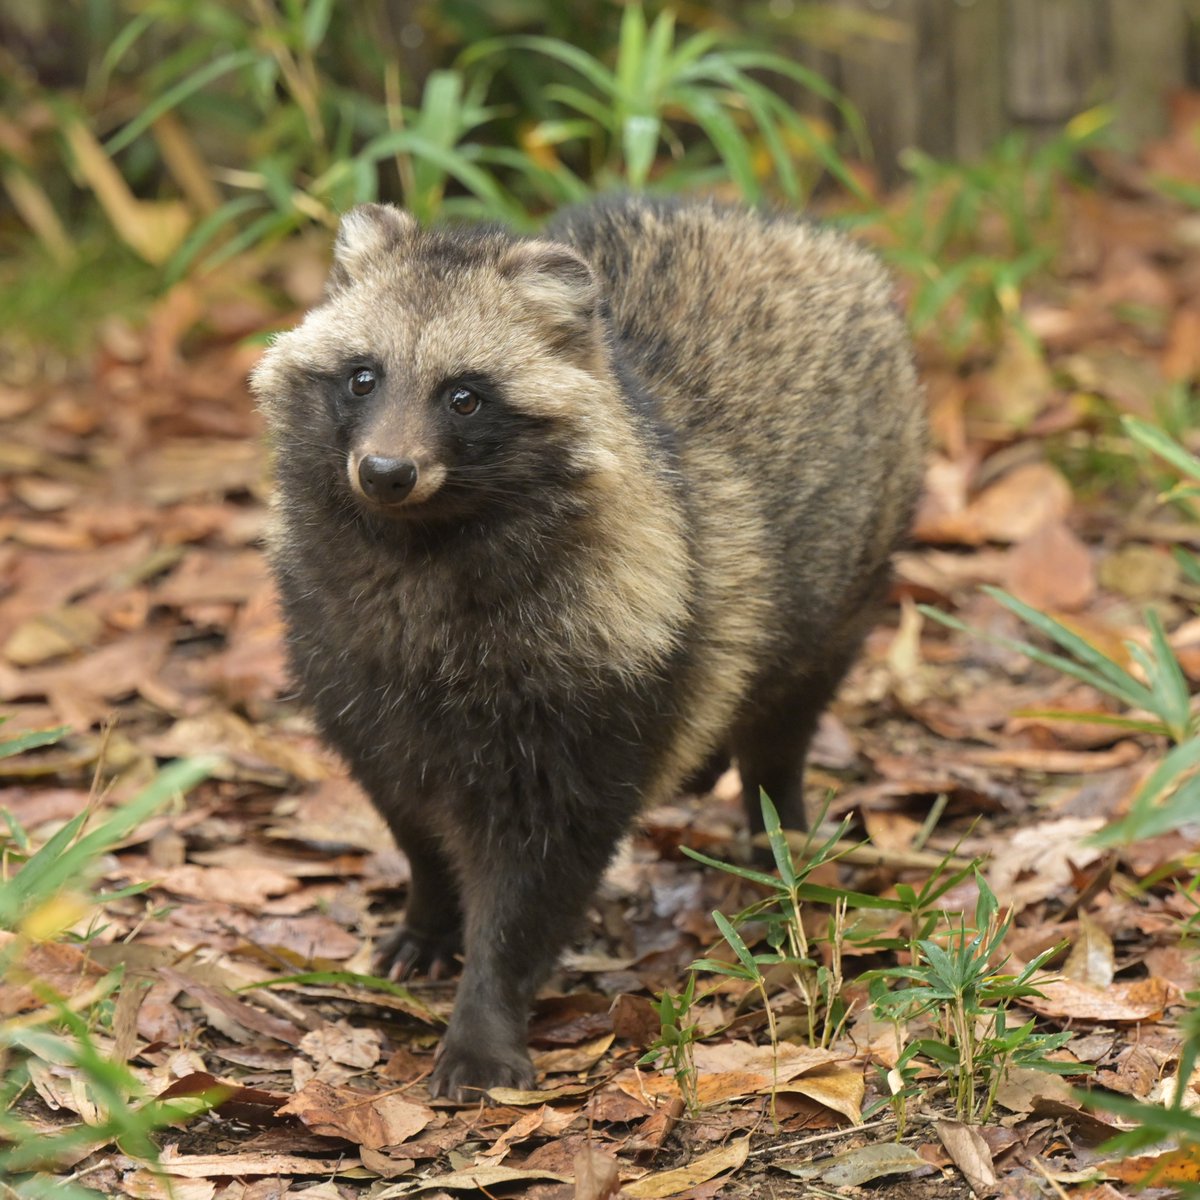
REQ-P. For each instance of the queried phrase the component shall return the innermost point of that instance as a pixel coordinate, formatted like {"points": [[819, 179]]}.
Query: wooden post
{"points": [[880, 79], [980, 119], [937, 112], [1149, 56], [1053, 53]]}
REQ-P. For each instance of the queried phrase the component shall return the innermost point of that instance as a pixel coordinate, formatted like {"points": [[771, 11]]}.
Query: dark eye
{"points": [[362, 383], [464, 401]]}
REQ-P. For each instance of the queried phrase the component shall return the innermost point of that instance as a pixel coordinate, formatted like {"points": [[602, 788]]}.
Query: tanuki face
{"points": [[441, 379]]}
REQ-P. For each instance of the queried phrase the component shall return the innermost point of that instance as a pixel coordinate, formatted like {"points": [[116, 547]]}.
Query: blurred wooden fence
{"points": [[955, 75]]}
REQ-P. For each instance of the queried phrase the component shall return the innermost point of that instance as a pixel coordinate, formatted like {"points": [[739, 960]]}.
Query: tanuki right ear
{"points": [[365, 233]]}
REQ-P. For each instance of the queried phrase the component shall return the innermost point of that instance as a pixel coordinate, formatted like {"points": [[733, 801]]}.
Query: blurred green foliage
{"points": [[235, 123], [141, 140]]}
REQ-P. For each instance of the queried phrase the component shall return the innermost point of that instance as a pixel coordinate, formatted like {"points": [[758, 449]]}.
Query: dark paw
{"points": [[405, 952], [464, 1073]]}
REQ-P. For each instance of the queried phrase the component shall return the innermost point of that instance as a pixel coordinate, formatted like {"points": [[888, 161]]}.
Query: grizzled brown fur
{"points": [[561, 521]]}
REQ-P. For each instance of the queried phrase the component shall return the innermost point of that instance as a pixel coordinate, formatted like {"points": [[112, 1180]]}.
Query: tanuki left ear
{"points": [[554, 279], [366, 232]]}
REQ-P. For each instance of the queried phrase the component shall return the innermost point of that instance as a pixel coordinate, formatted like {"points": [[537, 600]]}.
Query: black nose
{"points": [[386, 480]]}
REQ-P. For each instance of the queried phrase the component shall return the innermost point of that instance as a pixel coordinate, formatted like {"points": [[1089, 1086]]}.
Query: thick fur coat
{"points": [[562, 521]]}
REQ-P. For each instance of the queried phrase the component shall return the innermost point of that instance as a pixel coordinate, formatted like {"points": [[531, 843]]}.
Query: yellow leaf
{"points": [[60, 912], [151, 229], [670, 1183]]}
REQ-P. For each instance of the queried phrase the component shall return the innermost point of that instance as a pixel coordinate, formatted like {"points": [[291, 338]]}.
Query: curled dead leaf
{"points": [[371, 1120]]}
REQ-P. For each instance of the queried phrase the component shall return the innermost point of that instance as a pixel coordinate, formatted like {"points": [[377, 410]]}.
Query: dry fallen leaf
{"points": [[971, 1154], [1051, 569], [839, 1089], [597, 1175], [1140, 572], [574, 1058], [1036, 862], [151, 1185], [53, 634], [1144, 1000], [707, 1166], [341, 1042], [367, 1119], [258, 1165], [863, 1164], [1092, 959], [472, 1179], [1013, 508], [57, 967]]}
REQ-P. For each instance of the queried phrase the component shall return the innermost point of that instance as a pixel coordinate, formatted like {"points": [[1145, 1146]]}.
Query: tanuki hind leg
{"points": [[771, 746]]}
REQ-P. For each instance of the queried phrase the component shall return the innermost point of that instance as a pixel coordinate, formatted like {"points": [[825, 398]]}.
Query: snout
{"points": [[386, 481], [398, 486]]}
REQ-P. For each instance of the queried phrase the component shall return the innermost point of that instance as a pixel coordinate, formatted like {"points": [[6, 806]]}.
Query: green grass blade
{"points": [[688, 52], [179, 263], [1162, 804], [316, 22], [55, 863], [1081, 651], [124, 42], [558, 185], [595, 110], [631, 81], [173, 96], [728, 140], [21, 742], [1095, 669], [732, 869], [639, 144], [1158, 442], [1132, 724], [780, 850], [758, 60], [439, 117], [438, 121], [657, 58], [578, 60], [1189, 564], [758, 101], [454, 162], [270, 223], [1167, 680], [820, 894]]}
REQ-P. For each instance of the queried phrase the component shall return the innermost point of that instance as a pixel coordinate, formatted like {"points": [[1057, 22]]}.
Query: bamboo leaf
{"points": [[734, 939]]}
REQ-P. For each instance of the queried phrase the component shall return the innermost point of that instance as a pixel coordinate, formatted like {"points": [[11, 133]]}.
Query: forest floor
{"points": [[136, 609]]}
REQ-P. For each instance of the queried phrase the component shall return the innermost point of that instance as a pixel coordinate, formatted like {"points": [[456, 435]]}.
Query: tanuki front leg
{"points": [[522, 900]]}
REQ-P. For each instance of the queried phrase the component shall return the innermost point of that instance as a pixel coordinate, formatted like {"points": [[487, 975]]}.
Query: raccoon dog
{"points": [[559, 521]]}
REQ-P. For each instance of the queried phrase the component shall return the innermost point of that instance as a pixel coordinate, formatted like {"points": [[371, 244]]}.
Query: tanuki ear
{"points": [[366, 232], [553, 278]]}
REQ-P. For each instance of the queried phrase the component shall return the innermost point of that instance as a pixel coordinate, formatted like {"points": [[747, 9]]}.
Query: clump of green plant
{"points": [[971, 235], [42, 893], [675, 1046], [793, 954], [901, 1087], [956, 982], [247, 122], [1166, 443], [1170, 796], [658, 88]]}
